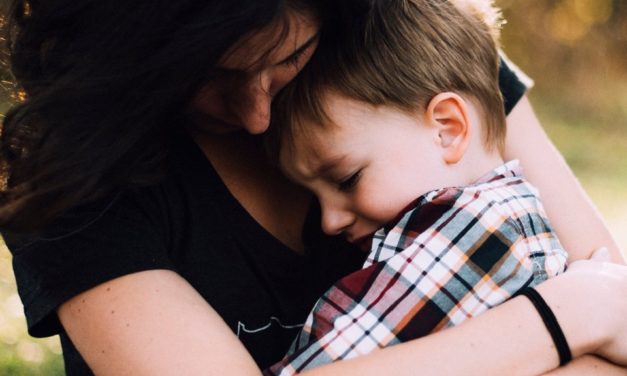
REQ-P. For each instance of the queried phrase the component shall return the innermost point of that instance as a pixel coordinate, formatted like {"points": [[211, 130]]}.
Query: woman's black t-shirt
{"points": [[190, 224]]}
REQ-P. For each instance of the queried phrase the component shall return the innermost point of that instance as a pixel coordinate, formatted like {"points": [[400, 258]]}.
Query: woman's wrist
{"points": [[551, 324], [589, 304], [581, 334]]}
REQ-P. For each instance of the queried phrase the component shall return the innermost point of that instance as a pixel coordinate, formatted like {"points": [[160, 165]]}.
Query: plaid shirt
{"points": [[457, 253]]}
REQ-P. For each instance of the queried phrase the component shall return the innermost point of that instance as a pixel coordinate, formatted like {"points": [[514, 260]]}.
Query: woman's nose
{"points": [[254, 109], [335, 220]]}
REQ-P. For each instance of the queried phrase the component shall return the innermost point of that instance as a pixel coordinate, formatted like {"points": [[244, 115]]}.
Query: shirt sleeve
{"points": [[83, 249], [513, 82]]}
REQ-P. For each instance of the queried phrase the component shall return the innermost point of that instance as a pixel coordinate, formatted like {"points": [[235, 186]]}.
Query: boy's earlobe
{"points": [[448, 112]]}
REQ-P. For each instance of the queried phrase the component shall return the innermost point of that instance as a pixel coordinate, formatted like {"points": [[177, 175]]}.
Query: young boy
{"points": [[397, 131]]}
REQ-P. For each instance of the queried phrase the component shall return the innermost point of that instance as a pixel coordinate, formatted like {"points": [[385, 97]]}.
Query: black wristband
{"points": [[550, 321]]}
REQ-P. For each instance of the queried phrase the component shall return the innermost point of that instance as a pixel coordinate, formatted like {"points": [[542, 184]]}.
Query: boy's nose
{"points": [[335, 220]]}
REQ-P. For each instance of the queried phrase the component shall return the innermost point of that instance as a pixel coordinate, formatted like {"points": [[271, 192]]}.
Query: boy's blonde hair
{"points": [[400, 53]]}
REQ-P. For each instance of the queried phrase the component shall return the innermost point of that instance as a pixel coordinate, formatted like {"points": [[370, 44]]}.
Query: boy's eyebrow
{"points": [[300, 49], [327, 165]]}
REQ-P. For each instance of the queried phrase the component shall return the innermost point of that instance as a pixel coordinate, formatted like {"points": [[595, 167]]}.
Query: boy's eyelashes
{"points": [[350, 182]]}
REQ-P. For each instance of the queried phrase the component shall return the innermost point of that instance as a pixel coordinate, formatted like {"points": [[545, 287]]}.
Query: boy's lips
{"points": [[364, 242]]}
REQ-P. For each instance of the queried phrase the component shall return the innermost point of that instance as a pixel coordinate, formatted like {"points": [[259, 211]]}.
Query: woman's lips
{"points": [[209, 123]]}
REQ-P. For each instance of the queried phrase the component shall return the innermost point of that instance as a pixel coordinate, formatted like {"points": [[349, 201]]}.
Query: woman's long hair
{"points": [[104, 83]]}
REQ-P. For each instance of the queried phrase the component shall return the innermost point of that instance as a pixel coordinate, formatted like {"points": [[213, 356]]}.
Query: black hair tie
{"points": [[550, 321]]}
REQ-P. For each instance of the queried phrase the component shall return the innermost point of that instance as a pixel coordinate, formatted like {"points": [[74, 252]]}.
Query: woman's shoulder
{"points": [[132, 230]]}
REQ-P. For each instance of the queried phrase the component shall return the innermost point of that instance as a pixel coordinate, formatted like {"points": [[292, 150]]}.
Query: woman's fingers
{"points": [[602, 255]]}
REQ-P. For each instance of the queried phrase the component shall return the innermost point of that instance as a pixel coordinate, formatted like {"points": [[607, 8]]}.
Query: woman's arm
{"points": [[153, 322], [588, 301], [576, 220], [589, 365]]}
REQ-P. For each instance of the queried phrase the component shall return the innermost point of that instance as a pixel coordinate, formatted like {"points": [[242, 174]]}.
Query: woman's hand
{"points": [[614, 347], [593, 315], [611, 295], [588, 365]]}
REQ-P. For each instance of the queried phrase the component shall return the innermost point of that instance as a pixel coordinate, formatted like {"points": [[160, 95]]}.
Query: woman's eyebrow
{"points": [[300, 49]]}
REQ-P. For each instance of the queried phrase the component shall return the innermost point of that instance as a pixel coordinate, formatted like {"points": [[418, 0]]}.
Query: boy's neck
{"points": [[478, 159], [476, 162]]}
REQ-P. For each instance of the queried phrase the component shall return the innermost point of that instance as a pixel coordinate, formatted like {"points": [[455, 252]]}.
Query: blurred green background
{"points": [[576, 52]]}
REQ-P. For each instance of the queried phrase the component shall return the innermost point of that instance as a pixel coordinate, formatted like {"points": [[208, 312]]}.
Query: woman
{"points": [[145, 225]]}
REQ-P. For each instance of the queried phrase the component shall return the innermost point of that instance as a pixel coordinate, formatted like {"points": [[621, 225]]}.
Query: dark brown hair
{"points": [[400, 53], [104, 83]]}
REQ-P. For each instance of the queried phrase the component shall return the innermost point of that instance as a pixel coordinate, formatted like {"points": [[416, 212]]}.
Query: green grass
{"points": [[21, 354], [15, 366]]}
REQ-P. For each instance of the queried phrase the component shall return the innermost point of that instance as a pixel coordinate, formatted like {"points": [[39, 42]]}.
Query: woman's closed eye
{"points": [[294, 59], [348, 184]]}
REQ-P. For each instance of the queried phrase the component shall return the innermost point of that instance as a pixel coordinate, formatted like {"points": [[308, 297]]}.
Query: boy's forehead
{"points": [[307, 144], [308, 150], [314, 146]]}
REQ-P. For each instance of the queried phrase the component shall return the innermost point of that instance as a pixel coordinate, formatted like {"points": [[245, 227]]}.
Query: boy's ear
{"points": [[448, 113]]}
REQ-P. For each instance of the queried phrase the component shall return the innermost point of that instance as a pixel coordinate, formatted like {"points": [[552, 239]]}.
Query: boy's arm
{"points": [[578, 224]]}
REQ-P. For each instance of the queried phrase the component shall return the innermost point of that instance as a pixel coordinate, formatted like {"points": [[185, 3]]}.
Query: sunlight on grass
{"points": [[21, 354]]}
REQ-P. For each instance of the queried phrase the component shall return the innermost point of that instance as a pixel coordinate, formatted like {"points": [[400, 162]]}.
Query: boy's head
{"points": [[380, 112]]}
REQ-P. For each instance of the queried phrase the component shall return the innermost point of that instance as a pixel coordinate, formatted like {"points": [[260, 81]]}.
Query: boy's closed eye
{"points": [[347, 184]]}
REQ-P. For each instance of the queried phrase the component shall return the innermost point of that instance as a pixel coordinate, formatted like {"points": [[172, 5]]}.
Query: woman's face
{"points": [[248, 76]]}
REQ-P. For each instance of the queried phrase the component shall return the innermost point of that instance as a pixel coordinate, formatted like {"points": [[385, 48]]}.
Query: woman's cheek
{"points": [[281, 77]]}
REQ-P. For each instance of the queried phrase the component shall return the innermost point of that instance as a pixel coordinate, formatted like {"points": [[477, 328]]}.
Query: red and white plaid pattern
{"points": [[457, 253]]}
